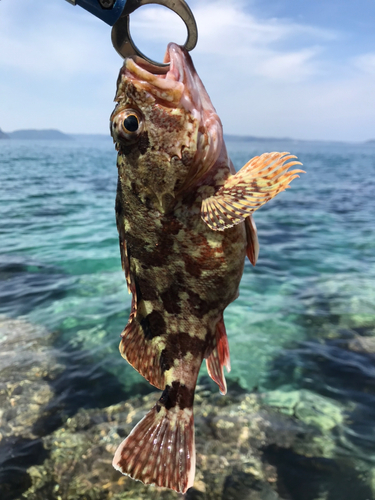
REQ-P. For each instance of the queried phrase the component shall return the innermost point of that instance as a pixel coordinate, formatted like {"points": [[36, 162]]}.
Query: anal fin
{"points": [[252, 248], [260, 180], [160, 449], [219, 357]]}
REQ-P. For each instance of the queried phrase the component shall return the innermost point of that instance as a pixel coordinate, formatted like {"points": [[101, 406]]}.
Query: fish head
{"points": [[166, 131]]}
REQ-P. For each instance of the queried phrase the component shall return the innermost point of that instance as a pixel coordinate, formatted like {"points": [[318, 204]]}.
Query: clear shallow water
{"points": [[311, 293]]}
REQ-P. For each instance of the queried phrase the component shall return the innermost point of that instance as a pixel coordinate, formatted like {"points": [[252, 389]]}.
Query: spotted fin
{"points": [[138, 344], [219, 357], [260, 180], [160, 449], [140, 349], [252, 249]]}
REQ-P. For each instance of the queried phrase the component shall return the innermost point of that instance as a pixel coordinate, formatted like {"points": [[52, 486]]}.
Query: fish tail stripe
{"points": [[141, 353], [219, 357], [160, 449], [260, 180]]}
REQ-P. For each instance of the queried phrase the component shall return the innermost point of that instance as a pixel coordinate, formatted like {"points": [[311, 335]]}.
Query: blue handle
{"points": [[108, 15]]}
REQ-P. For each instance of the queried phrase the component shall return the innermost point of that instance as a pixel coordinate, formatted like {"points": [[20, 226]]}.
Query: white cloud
{"points": [[266, 47], [292, 66], [265, 76], [56, 44], [365, 63]]}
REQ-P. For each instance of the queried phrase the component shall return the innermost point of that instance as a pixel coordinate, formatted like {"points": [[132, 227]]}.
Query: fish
{"points": [[184, 218]]}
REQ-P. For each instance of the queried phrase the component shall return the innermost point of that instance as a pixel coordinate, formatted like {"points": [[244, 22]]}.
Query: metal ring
{"points": [[122, 40]]}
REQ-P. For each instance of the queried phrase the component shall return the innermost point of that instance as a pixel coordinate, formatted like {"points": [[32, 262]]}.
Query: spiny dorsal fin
{"points": [[260, 180]]}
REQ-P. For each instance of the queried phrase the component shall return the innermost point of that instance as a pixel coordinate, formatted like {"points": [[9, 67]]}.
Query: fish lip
{"points": [[177, 57], [174, 58]]}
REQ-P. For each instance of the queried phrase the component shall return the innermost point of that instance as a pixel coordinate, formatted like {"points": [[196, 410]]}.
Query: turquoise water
{"points": [[311, 293]]}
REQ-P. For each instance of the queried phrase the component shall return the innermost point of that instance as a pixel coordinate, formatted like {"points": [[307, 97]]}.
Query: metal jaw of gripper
{"points": [[116, 13]]}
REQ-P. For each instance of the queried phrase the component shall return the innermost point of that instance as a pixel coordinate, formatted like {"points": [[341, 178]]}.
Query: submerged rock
{"points": [[27, 365], [242, 448], [282, 445], [230, 434], [362, 344]]}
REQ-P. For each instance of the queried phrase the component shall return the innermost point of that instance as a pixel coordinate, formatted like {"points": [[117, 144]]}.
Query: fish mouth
{"points": [[179, 86], [174, 59], [177, 83]]}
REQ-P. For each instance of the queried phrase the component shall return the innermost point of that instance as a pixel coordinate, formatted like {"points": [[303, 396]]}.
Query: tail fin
{"points": [[160, 449]]}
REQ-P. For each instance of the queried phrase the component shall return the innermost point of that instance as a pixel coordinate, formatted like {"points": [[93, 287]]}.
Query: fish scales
{"points": [[185, 226]]}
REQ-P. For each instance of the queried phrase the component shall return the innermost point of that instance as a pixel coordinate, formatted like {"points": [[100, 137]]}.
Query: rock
{"points": [[231, 433], [246, 450], [282, 445], [362, 344], [308, 407], [27, 364]]}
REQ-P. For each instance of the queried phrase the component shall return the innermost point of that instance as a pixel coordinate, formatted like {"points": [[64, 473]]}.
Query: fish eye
{"points": [[126, 125], [131, 123]]}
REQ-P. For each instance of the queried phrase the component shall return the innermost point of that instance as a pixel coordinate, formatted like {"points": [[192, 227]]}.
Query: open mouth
{"points": [[175, 59]]}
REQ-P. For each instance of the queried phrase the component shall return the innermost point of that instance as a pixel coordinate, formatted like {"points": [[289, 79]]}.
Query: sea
{"points": [[304, 323]]}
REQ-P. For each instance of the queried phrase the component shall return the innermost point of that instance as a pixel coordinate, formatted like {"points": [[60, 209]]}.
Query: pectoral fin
{"points": [[260, 180]]}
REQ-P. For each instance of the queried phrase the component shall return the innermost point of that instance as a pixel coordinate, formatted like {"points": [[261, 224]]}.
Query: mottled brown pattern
{"points": [[179, 345], [177, 394], [170, 299], [192, 266], [199, 306], [144, 290], [181, 273], [153, 325], [143, 143]]}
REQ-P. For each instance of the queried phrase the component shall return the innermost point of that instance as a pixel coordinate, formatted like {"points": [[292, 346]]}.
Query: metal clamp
{"points": [[108, 11], [123, 42]]}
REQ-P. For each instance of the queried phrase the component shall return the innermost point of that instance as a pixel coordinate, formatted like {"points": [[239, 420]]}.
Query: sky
{"points": [[303, 69]]}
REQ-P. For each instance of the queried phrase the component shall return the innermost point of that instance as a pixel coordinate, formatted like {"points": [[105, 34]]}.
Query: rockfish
{"points": [[185, 225]]}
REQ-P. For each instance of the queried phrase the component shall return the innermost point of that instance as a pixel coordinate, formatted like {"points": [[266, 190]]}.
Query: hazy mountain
{"points": [[98, 137], [3, 135], [251, 138], [48, 134]]}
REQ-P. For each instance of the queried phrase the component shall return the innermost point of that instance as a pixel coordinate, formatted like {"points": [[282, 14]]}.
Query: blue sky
{"points": [[285, 68]]}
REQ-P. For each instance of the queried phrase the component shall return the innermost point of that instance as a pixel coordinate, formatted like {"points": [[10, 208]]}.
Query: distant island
{"points": [[3, 135], [57, 135], [47, 134], [253, 138]]}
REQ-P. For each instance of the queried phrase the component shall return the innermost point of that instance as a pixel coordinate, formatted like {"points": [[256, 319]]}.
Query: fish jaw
{"points": [[195, 99], [180, 135]]}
